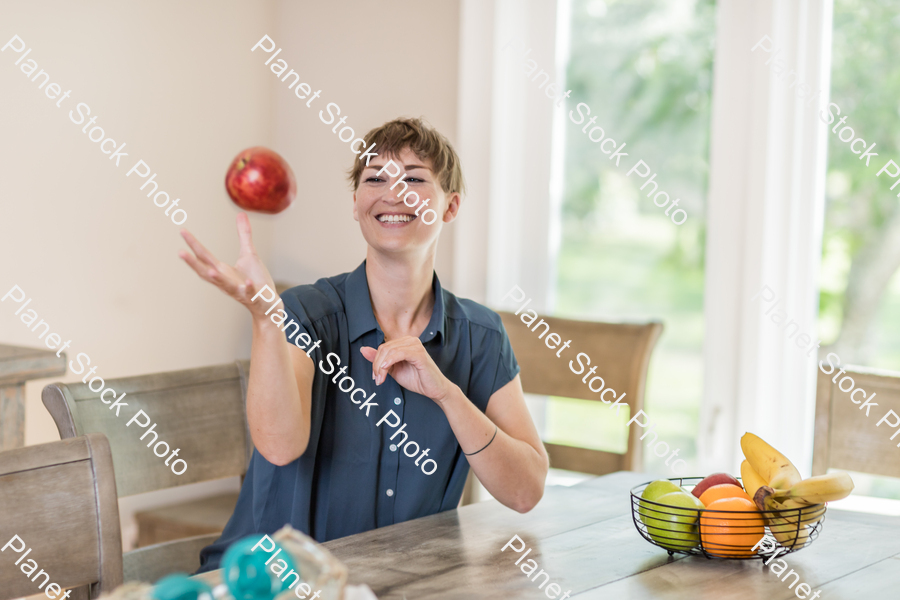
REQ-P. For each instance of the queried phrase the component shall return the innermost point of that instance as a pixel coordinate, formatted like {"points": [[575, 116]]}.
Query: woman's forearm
{"points": [[278, 408], [512, 470]]}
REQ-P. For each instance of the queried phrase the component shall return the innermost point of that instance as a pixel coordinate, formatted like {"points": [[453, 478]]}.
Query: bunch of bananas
{"points": [[792, 505]]}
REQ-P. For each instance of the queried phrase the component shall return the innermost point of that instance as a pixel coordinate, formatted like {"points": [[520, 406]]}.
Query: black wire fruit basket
{"points": [[724, 534]]}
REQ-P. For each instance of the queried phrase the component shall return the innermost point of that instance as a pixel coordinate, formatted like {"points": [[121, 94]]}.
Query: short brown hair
{"points": [[425, 141]]}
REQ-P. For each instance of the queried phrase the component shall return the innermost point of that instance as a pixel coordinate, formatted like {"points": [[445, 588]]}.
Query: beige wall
{"points": [[176, 81], [173, 80], [377, 61], [99, 259]]}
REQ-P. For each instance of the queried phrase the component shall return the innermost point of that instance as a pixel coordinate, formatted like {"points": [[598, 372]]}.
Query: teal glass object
{"points": [[246, 574], [180, 586]]}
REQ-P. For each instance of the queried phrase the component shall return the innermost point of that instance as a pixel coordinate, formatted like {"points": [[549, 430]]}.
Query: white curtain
{"points": [[507, 235], [765, 216], [512, 160]]}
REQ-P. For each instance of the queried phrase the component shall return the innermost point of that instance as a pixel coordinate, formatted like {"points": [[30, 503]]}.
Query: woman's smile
{"points": [[394, 219]]}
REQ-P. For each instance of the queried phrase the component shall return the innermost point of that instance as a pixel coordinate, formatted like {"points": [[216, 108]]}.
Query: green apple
{"points": [[675, 526], [653, 492]]}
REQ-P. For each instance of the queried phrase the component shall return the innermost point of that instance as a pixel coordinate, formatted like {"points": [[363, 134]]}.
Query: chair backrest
{"points": [[60, 500], [198, 411], [18, 365], [845, 438], [621, 351], [151, 563]]}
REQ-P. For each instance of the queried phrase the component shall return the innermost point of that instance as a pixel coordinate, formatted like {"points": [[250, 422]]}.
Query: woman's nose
{"points": [[394, 193]]}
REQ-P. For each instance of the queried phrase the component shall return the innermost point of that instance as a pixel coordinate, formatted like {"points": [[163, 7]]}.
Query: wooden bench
{"points": [[201, 412]]}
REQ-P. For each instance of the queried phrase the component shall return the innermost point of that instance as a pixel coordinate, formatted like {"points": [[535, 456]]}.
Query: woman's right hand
{"points": [[243, 280]]}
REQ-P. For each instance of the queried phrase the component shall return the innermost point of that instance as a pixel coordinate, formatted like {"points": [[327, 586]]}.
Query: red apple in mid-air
{"points": [[260, 180], [714, 479]]}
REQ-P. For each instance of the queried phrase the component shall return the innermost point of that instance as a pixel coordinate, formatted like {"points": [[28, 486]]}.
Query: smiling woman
{"points": [[392, 205], [430, 170], [442, 367], [417, 201]]}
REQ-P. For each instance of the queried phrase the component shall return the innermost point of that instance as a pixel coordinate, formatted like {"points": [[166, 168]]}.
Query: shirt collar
{"points": [[361, 317]]}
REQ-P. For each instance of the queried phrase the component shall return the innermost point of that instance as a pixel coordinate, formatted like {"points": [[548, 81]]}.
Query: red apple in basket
{"points": [[260, 180], [714, 479]]}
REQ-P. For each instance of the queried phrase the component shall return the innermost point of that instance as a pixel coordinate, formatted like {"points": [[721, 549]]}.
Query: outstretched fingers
{"points": [[225, 281], [245, 234], [199, 249], [199, 268], [234, 281]]}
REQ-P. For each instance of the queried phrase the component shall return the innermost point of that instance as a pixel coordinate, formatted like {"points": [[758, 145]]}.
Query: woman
{"points": [[430, 375]]}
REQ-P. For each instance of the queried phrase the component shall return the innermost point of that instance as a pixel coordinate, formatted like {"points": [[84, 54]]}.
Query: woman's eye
{"points": [[375, 179], [415, 179]]}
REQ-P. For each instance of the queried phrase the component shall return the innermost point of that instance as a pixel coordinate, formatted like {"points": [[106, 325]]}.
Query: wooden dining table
{"points": [[584, 538]]}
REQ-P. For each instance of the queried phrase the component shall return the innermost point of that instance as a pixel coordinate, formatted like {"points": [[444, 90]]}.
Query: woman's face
{"points": [[389, 224]]}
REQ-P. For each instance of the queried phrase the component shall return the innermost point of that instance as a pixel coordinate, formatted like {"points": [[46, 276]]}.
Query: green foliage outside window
{"points": [[859, 288], [644, 67]]}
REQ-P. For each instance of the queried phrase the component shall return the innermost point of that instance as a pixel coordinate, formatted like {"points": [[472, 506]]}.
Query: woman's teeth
{"points": [[395, 218]]}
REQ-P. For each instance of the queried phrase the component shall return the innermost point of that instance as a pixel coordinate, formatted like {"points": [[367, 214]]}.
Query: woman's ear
{"points": [[355, 213], [455, 199]]}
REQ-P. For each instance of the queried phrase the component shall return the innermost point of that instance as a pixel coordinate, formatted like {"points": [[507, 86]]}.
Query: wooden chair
{"points": [[17, 366], [201, 411], [622, 353], [844, 437], [60, 499]]}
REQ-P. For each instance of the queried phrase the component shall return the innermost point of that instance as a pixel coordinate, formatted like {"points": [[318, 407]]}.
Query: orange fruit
{"points": [[722, 490], [731, 533]]}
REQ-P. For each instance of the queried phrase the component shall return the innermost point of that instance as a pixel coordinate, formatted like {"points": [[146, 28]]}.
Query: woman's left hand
{"points": [[406, 360]]}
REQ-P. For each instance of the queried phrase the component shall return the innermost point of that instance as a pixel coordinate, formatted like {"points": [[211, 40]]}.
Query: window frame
{"points": [[765, 205]]}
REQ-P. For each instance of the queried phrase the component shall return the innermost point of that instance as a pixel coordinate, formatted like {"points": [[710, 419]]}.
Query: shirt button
{"points": [[390, 492], [393, 447], [397, 400]]}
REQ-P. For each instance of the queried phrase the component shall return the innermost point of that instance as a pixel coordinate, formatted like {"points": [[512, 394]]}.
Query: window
{"points": [[644, 67], [859, 302]]}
